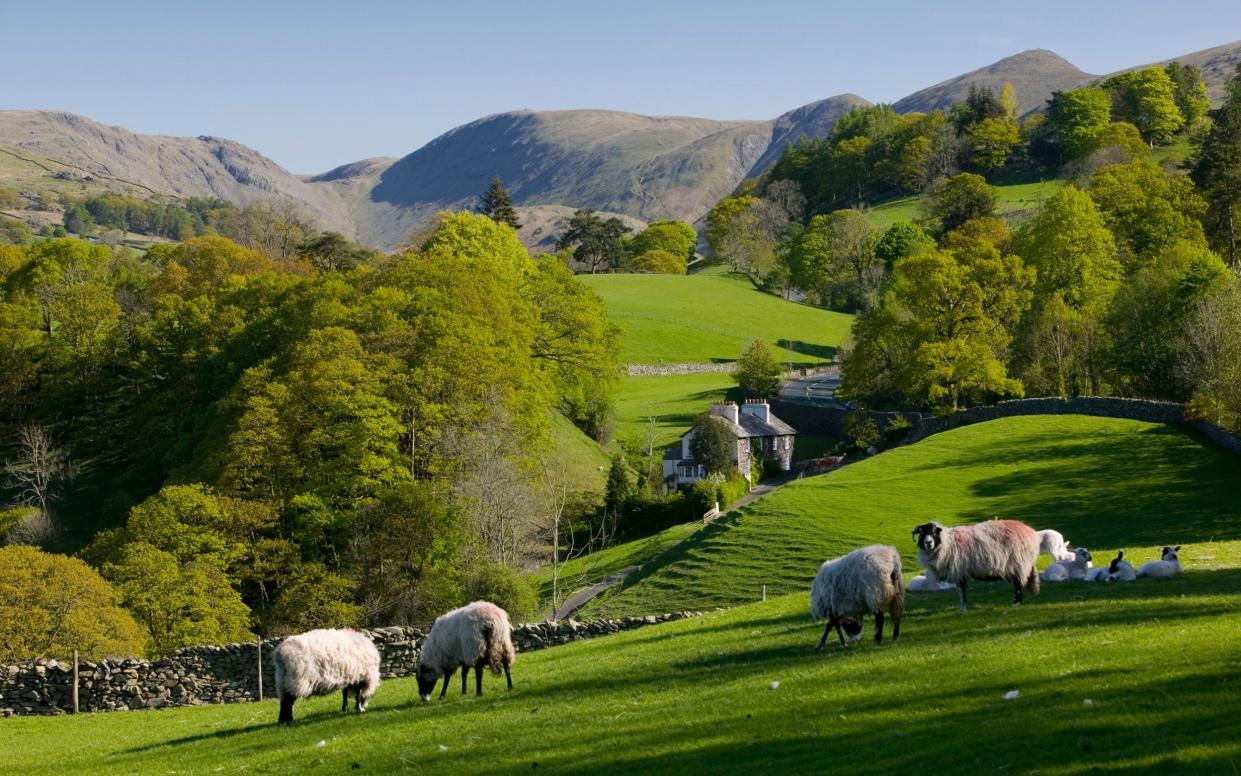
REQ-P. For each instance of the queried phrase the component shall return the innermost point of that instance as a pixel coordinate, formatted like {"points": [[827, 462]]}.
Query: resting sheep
{"points": [[476, 635], [865, 581], [1168, 566], [927, 583], [1053, 544], [323, 661], [1120, 570], [1064, 570], [989, 551]]}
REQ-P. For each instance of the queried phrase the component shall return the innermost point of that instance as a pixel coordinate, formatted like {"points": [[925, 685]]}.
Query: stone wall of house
{"points": [[229, 673]]}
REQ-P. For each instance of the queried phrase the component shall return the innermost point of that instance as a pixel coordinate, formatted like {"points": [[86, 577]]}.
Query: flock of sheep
{"points": [[845, 590], [868, 580]]}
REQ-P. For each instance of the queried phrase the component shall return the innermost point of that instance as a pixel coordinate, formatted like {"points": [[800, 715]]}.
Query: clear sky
{"points": [[315, 84]]}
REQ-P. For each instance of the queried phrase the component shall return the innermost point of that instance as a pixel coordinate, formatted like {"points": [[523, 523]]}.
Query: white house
{"points": [[758, 433]]}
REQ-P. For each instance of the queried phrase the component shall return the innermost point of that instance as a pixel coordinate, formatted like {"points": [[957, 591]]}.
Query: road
{"points": [[818, 390]]}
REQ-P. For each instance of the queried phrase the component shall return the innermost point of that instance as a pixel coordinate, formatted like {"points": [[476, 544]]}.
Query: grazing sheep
{"points": [[1169, 566], [927, 583], [476, 635], [323, 661], [1120, 570], [1064, 570], [1053, 544], [865, 581], [996, 549]]}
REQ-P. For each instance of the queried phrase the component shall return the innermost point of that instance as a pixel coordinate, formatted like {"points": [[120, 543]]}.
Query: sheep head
{"points": [[427, 677], [853, 628], [928, 536], [1082, 554], [1170, 553], [1115, 564]]}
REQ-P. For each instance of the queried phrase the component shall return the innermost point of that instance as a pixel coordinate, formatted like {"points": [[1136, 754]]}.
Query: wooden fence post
{"points": [[259, 650], [764, 592], [75, 681]]}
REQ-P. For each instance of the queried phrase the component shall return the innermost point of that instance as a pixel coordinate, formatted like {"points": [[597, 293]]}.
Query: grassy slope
{"points": [[674, 401], [585, 463], [710, 316], [1156, 660], [1106, 484], [1013, 198]]}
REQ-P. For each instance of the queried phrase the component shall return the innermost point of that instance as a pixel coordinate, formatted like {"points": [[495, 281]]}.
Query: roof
{"points": [[755, 426]]}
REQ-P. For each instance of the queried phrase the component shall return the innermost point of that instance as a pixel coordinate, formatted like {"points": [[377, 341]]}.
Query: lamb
{"points": [[323, 661], [1120, 570], [1168, 566], [996, 549], [1052, 543], [927, 583], [865, 581], [475, 635], [1064, 570]]}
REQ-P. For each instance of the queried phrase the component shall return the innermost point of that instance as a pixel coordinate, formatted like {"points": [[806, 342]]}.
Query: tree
{"points": [[833, 259], [36, 474], [1076, 118], [1072, 249], [51, 605], [331, 252], [901, 239], [675, 237], [1147, 209], [496, 204], [619, 490], [1008, 101], [1210, 356], [757, 370], [742, 232], [1125, 136], [1146, 98], [993, 140], [959, 199], [660, 262], [713, 444], [1191, 92], [1216, 169], [596, 242]]}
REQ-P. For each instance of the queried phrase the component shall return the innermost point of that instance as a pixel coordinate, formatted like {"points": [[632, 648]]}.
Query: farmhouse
{"points": [[760, 436]]}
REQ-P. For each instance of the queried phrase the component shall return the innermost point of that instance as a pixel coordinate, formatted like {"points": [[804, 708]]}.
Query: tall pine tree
{"points": [[1216, 168], [497, 205]]}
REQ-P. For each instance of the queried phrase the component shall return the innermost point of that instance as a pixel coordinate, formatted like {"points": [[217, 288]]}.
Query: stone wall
{"points": [[229, 673], [664, 370]]}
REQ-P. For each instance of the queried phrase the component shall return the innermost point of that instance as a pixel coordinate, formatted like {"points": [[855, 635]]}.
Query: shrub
{"points": [[897, 429], [861, 428], [502, 586]]}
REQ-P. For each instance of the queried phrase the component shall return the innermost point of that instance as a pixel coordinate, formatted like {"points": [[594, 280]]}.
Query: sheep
{"points": [[1064, 570], [1120, 570], [927, 583], [847, 588], [1053, 544], [1168, 566], [996, 549], [475, 635], [323, 661]]}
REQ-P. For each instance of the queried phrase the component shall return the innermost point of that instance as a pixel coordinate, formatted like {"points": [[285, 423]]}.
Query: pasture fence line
{"points": [[236, 673]]}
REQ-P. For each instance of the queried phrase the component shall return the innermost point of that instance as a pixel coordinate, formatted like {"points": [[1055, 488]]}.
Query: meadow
{"points": [[1111, 678], [1013, 198], [712, 316]]}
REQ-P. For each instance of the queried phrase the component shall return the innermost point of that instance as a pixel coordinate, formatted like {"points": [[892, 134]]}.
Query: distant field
{"points": [[674, 401], [585, 463], [1106, 484], [711, 316], [1013, 198]]}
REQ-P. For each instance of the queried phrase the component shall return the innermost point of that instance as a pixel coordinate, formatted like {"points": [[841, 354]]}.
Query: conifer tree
{"points": [[497, 205], [1216, 168]]}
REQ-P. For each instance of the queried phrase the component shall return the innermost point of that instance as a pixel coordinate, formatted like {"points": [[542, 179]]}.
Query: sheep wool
{"points": [[1168, 566], [473, 636], [1065, 570], [866, 581], [1053, 544], [995, 549], [323, 661]]}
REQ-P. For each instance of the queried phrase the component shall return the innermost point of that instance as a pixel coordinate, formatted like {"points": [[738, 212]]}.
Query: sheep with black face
{"points": [[473, 636], [988, 551], [866, 581]]}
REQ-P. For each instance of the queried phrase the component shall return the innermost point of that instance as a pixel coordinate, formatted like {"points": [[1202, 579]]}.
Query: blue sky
{"points": [[314, 84]]}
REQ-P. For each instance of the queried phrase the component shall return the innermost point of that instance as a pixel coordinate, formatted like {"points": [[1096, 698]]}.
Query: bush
{"points": [[502, 586], [897, 429], [861, 428]]}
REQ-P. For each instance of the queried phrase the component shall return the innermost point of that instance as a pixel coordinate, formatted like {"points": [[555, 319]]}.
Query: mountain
{"points": [[77, 148], [1035, 74], [1217, 64]]}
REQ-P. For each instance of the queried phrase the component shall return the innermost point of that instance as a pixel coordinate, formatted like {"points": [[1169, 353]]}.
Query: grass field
{"points": [[711, 316], [1013, 198], [673, 401], [585, 463], [1112, 678], [1106, 484]]}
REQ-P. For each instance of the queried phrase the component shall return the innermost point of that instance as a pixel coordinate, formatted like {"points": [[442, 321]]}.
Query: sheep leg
{"points": [[840, 633], [286, 709], [507, 678], [897, 608], [826, 630], [344, 700], [961, 587], [447, 676], [1017, 592], [879, 627], [465, 677], [478, 679]]}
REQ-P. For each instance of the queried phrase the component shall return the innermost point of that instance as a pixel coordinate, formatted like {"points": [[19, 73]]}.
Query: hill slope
{"points": [[1035, 74], [1105, 484]]}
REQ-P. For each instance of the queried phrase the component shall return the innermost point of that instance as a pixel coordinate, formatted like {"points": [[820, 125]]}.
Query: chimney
{"points": [[758, 408], [726, 410]]}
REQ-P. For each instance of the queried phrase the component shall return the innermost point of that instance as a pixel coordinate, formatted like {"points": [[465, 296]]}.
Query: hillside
{"points": [[1105, 484], [813, 120], [1100, 671], [1035, 74], [714, 316]]}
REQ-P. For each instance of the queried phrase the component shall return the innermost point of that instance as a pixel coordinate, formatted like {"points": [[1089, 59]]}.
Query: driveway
{"points": [[818, 390]]}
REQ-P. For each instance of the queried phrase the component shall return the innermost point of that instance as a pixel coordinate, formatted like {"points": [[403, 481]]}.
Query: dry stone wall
{"points": [[229, 673]]}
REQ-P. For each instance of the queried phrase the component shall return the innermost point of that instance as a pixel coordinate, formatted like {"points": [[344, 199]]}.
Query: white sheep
{"points": [[475, 635], [1168, 566], [995, 549], [1053, 544], [866, 581], [323, 661], [1064, 570], [927, 583], [1120, 570]]}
